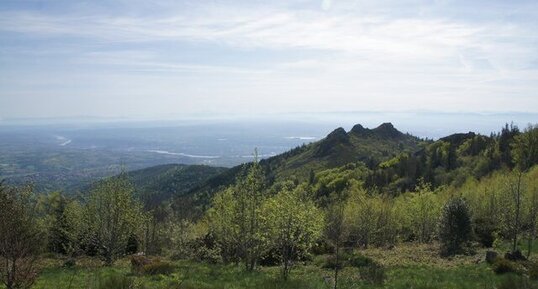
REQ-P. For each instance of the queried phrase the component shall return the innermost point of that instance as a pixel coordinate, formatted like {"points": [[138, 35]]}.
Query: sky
{"points": [[165, 59]]}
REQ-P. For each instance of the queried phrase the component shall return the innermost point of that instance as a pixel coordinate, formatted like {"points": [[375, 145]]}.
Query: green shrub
{"points": [[373, 273], [158, 268], [70, 262], [330, 262], [138, 263], [270, 258], [485, 232], [357, 260], [454, 227], [501, 266], [533, 270]]}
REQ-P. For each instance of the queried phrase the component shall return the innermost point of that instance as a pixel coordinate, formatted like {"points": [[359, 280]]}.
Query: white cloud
{"points": [[359, 55]]}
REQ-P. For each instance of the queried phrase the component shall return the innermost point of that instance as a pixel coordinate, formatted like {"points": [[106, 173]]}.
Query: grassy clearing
{"points": [[191, 275], [408, 266]]}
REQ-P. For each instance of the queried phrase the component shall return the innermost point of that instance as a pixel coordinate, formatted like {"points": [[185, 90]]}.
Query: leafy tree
{"points": [[525, 148], [371, 218], [420, 211], [20, 238], [235, 218], [112, 215], [249, 194], [336, 232], [64, 218], [222, 224], [454, 226], [292, 223], [72, 228], [532, 214]]}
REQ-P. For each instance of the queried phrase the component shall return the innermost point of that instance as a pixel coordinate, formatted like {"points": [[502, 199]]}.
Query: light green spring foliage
{"points": [[73, 213], [418, 213], [288, 222], [250, 197], [235, 219], [112, 215], [372, 219], [222, 218], [492, 200], [291, 224]]}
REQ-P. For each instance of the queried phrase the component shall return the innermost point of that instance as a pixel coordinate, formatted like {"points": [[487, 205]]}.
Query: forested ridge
{"points": [[333, 212]]}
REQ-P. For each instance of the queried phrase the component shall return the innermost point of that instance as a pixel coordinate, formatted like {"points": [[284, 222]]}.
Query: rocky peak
{"points": [[387, 130]]}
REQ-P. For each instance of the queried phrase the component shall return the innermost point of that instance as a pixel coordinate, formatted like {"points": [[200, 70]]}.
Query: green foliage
{"points": [[292, 223], [371, 219], [373, 273], [158, 268], [533, 270], [156, 184], [525, 148], [418, 213], [502, 265], [235, 219], [112, 215], [21, 238], [115, 282], [454, 227], [346, 259], [517, 282]]}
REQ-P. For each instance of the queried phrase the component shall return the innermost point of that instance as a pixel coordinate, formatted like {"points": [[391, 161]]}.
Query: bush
{"points": [[454, 227], [501, 266], [330, 262], [533, 270], [373, 273], [357, 260], [70, 262], [485, 232], [145, 265], [205, 249], [158, 268], [270, 258], [138, 263], [322, 247]]}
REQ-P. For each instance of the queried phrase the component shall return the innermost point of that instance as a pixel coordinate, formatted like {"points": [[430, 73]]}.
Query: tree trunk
{"points": [[518, 208], [336, 267]]}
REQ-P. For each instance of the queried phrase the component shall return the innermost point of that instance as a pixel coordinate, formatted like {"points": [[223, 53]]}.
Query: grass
{"points": [[407, 267], [191, 275]]}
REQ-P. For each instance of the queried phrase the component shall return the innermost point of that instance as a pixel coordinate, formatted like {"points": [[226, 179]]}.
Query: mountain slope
{"points": [[159, 183], [370, 146]]}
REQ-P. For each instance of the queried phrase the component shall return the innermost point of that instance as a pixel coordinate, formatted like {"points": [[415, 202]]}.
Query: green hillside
{"points": [[158, 184], [368, 146]]}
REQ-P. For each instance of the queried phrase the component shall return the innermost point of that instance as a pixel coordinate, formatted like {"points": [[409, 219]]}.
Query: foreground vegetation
{"points": [[408, 266], [405, 266]]}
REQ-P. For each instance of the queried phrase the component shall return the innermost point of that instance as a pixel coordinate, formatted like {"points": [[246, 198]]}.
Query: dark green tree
{"points": [[454, 227]]}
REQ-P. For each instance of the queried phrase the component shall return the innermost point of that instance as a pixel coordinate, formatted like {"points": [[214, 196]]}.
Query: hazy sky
{"points": [[140, 58]]}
